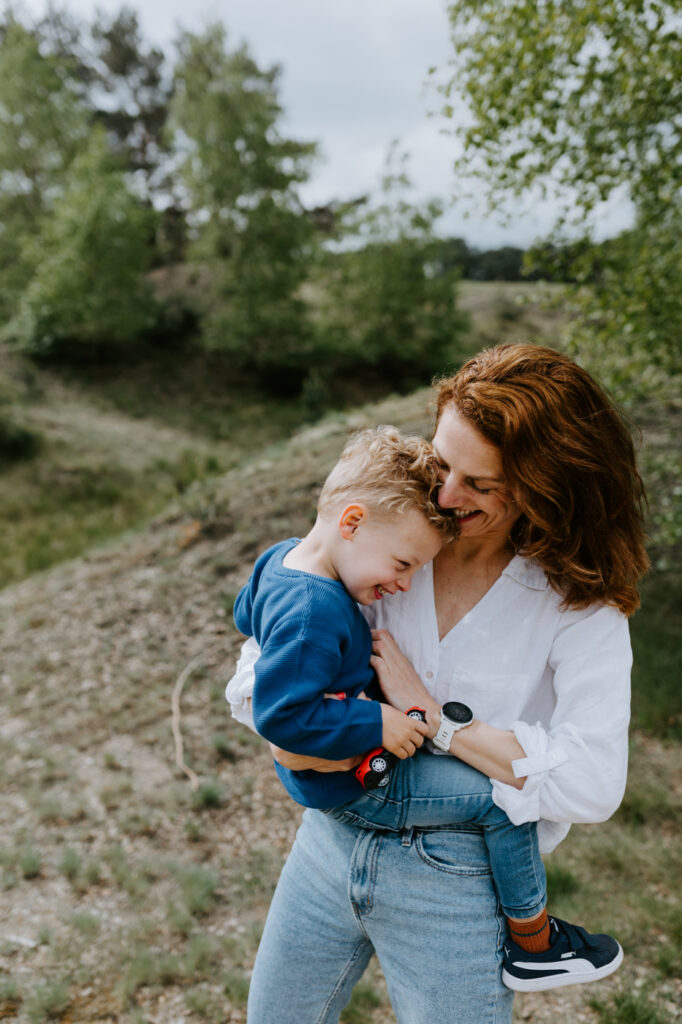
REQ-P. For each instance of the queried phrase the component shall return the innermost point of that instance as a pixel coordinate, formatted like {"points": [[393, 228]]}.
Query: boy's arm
{"points": [[238, 693], [243, 609], [289, 705]]}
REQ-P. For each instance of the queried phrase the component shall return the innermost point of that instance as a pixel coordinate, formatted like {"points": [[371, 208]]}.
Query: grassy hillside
{"points": [[127, 896], [119, 442]]}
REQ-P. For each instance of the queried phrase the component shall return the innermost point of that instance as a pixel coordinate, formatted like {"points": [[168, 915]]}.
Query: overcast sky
{"points": [[354, 78]]}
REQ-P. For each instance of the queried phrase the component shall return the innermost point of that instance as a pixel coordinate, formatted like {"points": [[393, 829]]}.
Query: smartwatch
{"points": [[453, 717]]}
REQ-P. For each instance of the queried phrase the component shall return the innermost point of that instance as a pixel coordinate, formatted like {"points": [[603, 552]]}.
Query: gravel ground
{"points": [[105, 849]]}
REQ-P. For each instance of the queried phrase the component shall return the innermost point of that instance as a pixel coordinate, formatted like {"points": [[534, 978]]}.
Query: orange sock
{"points": [[533, 935]]}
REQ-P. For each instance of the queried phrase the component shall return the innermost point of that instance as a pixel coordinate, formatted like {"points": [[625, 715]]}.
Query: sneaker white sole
{"points": [[571, 977]]}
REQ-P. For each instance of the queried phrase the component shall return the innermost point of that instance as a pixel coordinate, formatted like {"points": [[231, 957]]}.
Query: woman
{"points": [[524, 619]]}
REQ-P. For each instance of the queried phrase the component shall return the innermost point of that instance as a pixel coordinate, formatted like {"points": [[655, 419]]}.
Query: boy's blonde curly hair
{"points": [[390, 473]]}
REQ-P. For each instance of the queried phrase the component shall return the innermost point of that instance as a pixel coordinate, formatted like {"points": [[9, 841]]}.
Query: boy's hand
{"points": [[401, 734]]}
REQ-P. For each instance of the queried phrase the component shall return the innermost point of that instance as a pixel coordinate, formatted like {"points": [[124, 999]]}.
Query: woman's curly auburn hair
{"points": [[569, 460]]}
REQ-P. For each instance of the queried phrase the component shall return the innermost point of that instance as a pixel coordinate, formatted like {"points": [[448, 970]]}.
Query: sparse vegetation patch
{"points": [[148, 907]]}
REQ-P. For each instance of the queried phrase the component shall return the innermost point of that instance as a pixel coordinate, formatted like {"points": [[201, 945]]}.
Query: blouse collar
{"points": [[527, 572]]}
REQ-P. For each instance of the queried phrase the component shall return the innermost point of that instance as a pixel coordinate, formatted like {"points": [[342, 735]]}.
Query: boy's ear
{"points": [[350, 519]]}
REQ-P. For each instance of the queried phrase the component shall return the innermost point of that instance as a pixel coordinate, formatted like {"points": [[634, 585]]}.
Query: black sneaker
{"points": [[574, 958]]}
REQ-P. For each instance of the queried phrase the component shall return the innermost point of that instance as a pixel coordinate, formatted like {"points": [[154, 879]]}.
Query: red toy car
{"points": [[375, 769]]}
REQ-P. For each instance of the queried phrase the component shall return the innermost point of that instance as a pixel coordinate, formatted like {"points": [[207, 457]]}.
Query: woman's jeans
{"points": [[426, 791], [424, 901]]}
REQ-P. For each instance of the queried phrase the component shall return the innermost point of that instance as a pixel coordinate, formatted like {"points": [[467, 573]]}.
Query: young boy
{"points": [[377, 523]]}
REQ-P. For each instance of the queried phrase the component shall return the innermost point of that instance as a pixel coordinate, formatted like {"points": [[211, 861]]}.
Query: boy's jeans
{"points": [[427, 791]]}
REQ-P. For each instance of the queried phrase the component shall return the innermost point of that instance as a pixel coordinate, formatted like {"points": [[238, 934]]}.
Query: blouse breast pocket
{"points": [[491, 694]]}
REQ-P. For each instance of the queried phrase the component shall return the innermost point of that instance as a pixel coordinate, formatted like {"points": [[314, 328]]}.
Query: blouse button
{"points": [[429, 675]]}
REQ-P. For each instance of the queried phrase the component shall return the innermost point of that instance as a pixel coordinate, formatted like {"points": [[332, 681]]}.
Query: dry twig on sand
{"points": [[175, 719]]}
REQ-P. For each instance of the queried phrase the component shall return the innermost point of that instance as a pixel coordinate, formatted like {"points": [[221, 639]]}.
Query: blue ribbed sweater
{"points": [[313, 641]]}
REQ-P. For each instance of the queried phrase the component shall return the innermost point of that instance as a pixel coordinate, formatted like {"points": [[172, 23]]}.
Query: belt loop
{"points": [[406, 836]]}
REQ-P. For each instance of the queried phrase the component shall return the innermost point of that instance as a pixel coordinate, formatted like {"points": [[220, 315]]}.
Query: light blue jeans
{"points": [[426, 791], [424, 901]]}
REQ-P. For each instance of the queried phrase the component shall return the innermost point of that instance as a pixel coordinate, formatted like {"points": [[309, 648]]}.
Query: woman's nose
{"points": [[449, 492]]}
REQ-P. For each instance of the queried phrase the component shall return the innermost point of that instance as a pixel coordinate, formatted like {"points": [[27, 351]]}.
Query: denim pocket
{"points": [[455, 851]]}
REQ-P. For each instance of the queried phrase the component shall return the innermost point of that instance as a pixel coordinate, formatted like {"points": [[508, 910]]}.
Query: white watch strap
{"points": [[446, 731]]}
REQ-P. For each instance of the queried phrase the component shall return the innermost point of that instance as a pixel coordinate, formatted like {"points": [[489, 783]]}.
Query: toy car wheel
{"points": [[417, 713], [378, 764]]}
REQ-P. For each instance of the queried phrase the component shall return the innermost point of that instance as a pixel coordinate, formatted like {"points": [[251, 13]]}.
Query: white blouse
{"points": [[559, 679]]}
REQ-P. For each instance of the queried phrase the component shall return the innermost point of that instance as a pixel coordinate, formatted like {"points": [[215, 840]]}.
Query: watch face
{"points": [[459, 713]]}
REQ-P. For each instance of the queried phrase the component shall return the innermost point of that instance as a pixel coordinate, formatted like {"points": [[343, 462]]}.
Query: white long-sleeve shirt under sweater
{"points": [[559, 679]]}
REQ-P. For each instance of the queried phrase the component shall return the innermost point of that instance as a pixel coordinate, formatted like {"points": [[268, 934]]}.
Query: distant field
{"points": [[511, 311]]}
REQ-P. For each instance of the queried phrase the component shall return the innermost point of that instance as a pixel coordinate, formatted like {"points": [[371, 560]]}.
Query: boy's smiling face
{"points": [[380, 555]]}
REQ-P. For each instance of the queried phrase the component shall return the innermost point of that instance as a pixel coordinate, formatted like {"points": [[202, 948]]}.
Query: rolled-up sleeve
{"points": [[576, 768]]}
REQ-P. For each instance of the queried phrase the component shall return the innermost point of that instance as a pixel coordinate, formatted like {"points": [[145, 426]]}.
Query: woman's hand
{"points": [[400, 684], [482, 746], [301, 762]]}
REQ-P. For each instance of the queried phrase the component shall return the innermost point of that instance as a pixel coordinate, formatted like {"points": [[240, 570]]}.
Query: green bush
{"points": [[365, 998], [88, 292], [9, 991], [30, 862], [42, 125], [628, 1008], [199, 888], [389, 314], [209, 794], [388, 307], [236, 986], [16, 441], [657, 669], [47, 1002], [592, 118], [560, 881], [259, 320], [241, 175], [70, 864]]}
